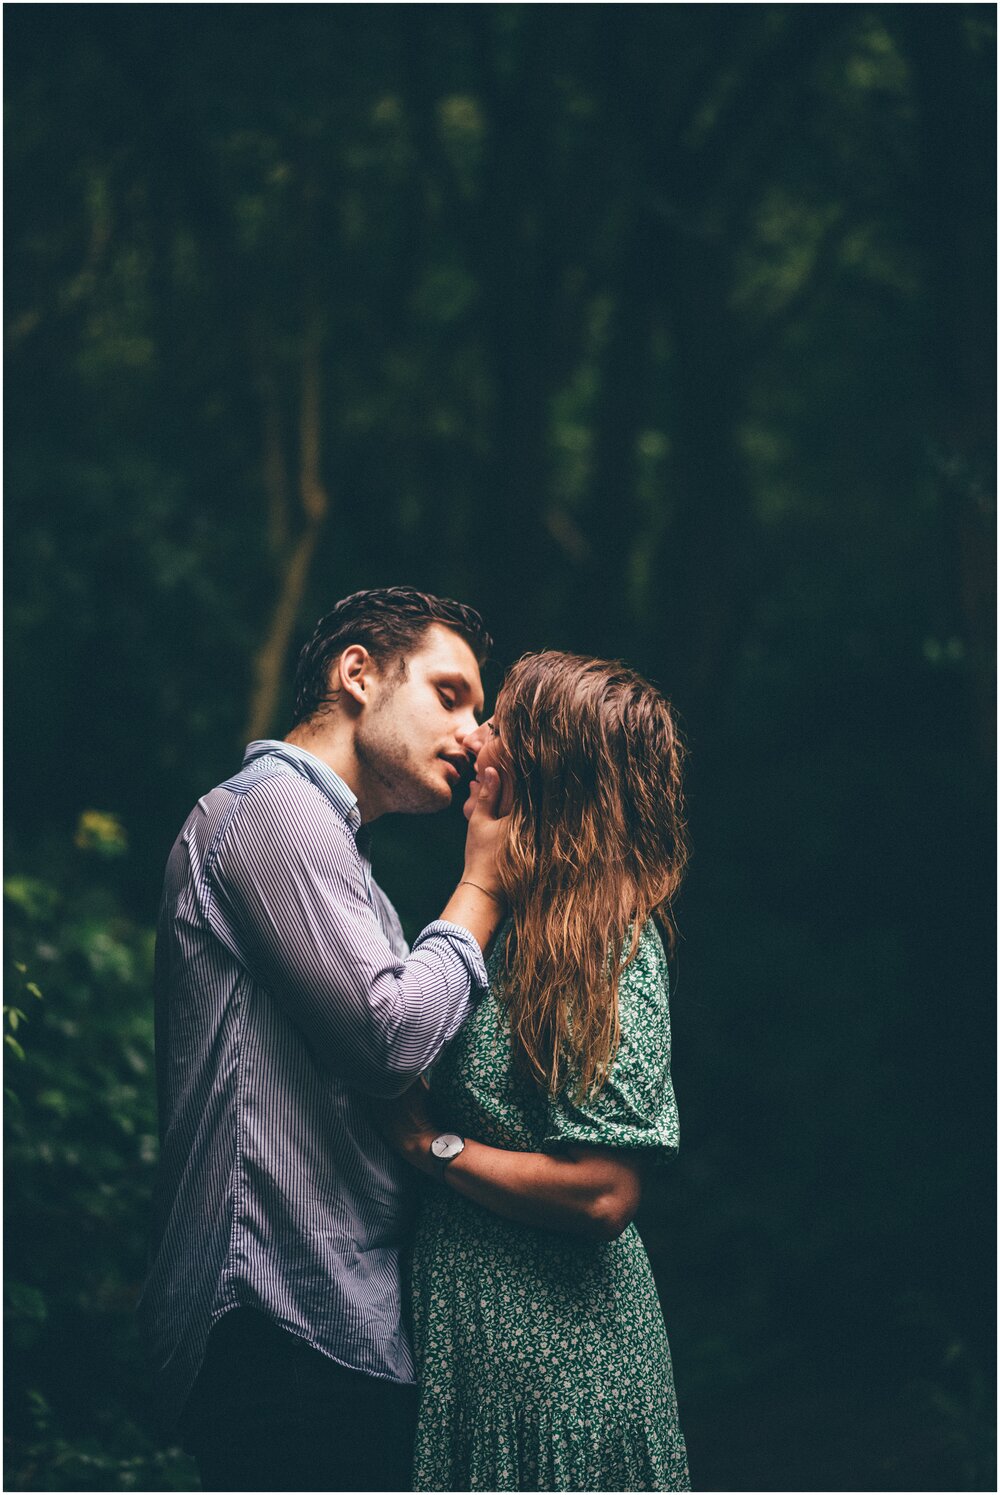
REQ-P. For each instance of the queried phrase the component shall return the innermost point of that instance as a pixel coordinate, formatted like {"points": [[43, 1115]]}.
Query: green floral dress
{"points": [[543, 1359]]}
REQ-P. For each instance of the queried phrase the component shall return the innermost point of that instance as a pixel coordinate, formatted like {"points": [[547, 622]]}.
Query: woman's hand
{"points": [[591, 1192], [585, 1191], [405, 1123]]}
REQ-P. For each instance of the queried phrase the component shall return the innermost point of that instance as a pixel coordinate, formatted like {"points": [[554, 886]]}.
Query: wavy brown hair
{"points": [[595, 845]]}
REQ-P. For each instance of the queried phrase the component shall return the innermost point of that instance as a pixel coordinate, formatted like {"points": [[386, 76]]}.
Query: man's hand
{"points": [[406, 1125], [482, 811], [478, 903]]}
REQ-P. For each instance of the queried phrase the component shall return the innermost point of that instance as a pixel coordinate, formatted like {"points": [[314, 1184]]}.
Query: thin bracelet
{"points": [[465, 883]]}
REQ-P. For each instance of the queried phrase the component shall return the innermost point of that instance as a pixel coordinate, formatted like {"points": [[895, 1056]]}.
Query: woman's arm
{"points": [[585, 1191]]}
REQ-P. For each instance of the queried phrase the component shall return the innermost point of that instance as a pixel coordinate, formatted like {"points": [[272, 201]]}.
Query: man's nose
{"points": [[472, 738]]}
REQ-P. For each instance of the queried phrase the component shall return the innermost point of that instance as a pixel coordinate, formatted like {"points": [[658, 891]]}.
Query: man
{"points": [[285, 996]]}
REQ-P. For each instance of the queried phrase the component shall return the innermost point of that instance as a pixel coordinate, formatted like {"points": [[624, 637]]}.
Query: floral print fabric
{"points": [[543, 1358]]}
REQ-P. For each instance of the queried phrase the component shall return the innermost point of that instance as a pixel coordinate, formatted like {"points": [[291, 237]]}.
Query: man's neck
{"points": [[335, 748]]}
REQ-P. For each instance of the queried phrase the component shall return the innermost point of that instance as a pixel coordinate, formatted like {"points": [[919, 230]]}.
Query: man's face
{"points": [[411, 740]]}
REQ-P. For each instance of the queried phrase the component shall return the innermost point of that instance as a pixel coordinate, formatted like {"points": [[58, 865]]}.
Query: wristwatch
{"points": [[444, 1148]]}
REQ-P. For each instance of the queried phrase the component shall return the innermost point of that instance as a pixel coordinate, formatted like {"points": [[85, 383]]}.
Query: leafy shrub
{"points": [[81, 1148]]}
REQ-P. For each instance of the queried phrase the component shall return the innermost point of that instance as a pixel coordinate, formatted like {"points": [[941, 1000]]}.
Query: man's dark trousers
{"points": [[267, 1412]]}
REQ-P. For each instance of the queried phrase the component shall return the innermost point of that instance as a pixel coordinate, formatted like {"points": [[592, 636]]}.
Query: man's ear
{"points": [[355, 669]]}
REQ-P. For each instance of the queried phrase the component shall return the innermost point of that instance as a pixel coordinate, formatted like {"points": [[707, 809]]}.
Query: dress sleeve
{"points": [[635, 1108]]}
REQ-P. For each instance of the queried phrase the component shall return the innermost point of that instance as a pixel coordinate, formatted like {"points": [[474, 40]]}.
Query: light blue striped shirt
{"points": [[285, 994]]}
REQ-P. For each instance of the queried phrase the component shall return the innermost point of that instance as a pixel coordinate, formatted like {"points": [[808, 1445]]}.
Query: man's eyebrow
{"points": [[453, 677]]}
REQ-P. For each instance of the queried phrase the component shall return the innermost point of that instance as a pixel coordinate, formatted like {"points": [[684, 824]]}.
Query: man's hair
{"points": [[390, 622]]}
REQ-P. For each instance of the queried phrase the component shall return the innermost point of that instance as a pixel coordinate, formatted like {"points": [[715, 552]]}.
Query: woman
{"points": [[540, 1343]]}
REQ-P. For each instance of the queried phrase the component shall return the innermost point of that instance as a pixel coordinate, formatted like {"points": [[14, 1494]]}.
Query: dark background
{"points": [[659, 331]]}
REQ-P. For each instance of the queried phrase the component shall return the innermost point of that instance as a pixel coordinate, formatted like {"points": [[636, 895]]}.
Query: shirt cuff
{"points": [[464, 945]]}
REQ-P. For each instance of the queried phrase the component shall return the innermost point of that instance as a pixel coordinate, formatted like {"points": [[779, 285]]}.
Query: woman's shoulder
{"points": [[646, 976], [651, 944], [496, 959], [644, 982], [635, 1106]]}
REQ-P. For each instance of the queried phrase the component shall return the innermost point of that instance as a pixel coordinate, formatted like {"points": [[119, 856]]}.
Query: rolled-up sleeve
{"points": [[287, 873]]}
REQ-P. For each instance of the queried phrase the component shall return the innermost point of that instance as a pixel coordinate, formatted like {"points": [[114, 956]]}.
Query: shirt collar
{"points": [[343, 799]]}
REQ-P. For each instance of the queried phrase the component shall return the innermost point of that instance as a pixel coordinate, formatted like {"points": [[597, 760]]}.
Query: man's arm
{"points": [[477, 902], [290, 877]]}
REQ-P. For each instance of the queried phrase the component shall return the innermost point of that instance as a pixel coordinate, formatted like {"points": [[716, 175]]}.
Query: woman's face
{"points": [[485, 743]]}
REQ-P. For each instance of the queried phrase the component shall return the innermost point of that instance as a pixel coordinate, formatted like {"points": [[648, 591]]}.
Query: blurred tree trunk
{"points": [[519, 294], [700, 571], [614, 524], [295, 556], [957, 174], [605, 618], [710, 161]]}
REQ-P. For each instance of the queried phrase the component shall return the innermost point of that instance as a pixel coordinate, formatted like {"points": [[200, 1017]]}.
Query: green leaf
{"points": [[40, 1410], [102, 833], [13, 1044], [54, 1100], [34, 898], [106, 953], [34, 990], [25, 1302]]}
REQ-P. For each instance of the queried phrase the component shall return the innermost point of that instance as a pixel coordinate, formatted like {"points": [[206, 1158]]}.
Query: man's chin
{"points": [[431, 801]]}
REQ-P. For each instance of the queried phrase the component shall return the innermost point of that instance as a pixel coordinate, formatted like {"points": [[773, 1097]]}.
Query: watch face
{"points": [[447, 1146]]}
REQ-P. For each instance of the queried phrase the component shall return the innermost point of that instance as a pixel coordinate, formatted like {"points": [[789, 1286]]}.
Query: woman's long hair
{"points": [[595, 844]]}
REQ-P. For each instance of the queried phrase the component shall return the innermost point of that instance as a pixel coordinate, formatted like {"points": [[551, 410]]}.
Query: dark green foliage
{"points": [[656, 331], [81, 1145]]}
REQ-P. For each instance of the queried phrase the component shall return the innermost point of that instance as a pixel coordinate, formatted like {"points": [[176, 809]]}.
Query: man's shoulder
{"points": [[269, 790], [267, 768]]}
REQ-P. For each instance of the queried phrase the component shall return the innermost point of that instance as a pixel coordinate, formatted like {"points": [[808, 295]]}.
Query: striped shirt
{"points": [[285, 994]]}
